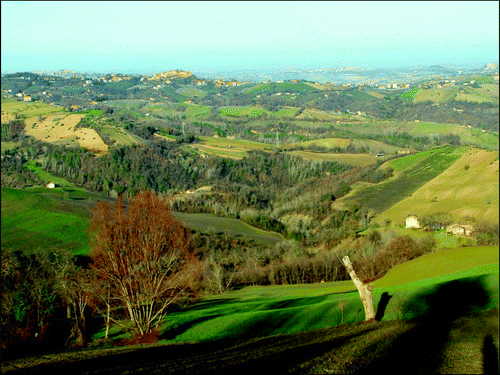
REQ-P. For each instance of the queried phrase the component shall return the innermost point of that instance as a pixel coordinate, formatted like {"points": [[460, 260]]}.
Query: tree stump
{"points": [[365, 290]]}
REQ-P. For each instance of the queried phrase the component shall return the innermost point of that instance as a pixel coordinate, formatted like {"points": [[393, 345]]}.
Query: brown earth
{"points": [[61, 127]]}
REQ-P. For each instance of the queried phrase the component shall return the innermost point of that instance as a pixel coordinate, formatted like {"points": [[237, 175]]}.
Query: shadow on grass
{"points": [[270, 355], [490, 356], [421, 349], [172, 332], [382, 305]]}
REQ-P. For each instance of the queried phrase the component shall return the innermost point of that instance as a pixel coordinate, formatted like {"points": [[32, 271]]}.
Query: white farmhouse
{"points": [[412, 222]]}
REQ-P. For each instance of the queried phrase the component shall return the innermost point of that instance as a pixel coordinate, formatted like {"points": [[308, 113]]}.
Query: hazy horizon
{"points": [[148, 37]]}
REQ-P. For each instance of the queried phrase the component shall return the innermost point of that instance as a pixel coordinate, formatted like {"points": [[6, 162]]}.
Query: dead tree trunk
{"points": [[365, 290]]}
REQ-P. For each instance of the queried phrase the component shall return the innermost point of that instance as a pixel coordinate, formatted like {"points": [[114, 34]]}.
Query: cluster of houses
{"points": [[22, 96], [466, 230]]}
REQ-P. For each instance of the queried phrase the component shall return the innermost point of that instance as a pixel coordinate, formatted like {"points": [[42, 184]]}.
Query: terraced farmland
{"points": [[437, 95]]}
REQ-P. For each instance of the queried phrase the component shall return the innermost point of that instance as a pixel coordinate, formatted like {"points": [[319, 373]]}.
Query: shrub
{"points": [[487, 233]]}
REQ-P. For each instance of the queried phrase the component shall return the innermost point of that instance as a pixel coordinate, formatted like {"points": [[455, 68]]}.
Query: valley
{"points": [[272, 182]]}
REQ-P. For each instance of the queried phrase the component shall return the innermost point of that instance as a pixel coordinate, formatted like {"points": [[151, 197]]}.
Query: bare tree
{"points": [[142, 254], [74, 286], [365, 290]]}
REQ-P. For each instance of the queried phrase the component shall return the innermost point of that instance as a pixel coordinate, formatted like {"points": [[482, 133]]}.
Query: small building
{"points": [[460, 229], [412, 222], [51, 185], [27, 98]]}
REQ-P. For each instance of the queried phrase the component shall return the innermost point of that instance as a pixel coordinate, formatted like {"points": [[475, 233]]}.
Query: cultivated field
{"points": [[316, 114], [476, 97], [196, 110], [437, 95], [191, 92], [325, 142], [285, 112], [61, 128], [371, 146], [242, 111], [231, 148], [380, 197], [26, 109], [361, 160], [232, 227], [467, 188], [376, 94], [120, 135]]}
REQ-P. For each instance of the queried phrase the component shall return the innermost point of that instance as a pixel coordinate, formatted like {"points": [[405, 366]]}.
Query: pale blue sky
{"points": [[157, 36]]}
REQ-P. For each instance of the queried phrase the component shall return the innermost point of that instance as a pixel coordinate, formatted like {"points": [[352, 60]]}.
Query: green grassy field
{"points": [[191, 92], [33, 220], [232, 227], [284, 112], [196, 110], [260, 311], [382, 196], [53, 218], [47, 177], [427, 128], [311, 328], [469, 187]]}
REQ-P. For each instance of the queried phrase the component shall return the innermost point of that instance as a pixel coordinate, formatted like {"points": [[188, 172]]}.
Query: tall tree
{"points": [[143, 254]]}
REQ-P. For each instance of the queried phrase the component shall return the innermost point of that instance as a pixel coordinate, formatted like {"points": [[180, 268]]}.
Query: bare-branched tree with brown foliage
{"points": [[141, 253]]}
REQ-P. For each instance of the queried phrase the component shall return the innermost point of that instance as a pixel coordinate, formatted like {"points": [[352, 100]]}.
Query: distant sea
{"points": [[216, 62]]}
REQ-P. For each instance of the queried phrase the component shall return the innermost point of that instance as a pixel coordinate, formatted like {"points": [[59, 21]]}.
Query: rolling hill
{"points": [[311, 328], [52, 218], [382, 196], [469, 187]]}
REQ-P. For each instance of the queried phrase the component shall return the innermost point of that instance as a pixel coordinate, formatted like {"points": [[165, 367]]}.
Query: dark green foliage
{"points": [[487, 233], [437, 220], [13, 131]]}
